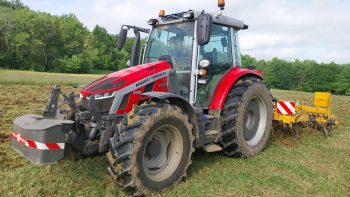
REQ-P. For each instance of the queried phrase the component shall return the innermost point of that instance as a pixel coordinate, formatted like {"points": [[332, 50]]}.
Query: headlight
{"points": [[104, 95]]}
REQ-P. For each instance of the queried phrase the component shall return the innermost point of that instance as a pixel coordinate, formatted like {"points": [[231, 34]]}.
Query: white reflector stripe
{"points": [[41, 146], [61, 145], [290, 106], [18, 137], [37, 145], [286, 107], [281, 109]]}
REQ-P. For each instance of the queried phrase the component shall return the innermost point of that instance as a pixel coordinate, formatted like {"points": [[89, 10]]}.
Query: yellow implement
{"points": [[319, 116]]}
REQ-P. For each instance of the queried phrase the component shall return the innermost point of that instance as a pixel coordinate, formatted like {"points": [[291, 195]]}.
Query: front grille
{"points": [[104, 105]]}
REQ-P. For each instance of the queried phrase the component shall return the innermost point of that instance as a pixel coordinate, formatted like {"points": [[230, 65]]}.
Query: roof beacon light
{"points": [[161, 13], [221, 4]]}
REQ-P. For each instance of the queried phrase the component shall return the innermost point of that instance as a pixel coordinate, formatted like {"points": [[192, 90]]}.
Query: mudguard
{"points": [[198, 128], [227, 82], [172, 97]]}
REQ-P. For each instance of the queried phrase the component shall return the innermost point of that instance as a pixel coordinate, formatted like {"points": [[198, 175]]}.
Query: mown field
{"points": [[310, 166], [42, 78]]}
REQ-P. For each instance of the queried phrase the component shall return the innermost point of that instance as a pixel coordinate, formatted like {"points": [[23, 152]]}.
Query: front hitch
{"points": [[52, 105], [43, 139]]}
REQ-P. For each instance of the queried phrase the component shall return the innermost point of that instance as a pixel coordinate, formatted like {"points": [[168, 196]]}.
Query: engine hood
{"points": [[120, 79]]}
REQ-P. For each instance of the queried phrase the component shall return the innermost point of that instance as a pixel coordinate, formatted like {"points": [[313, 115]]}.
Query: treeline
{"points": [[42, 42], [307, 75]]}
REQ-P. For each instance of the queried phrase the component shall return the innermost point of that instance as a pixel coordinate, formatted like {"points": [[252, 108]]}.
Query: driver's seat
{"points": [[177, 85], [212, 56]]}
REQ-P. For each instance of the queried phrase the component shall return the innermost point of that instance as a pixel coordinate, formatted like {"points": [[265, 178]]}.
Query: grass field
{"points": [[310, 166], [41, 78]]}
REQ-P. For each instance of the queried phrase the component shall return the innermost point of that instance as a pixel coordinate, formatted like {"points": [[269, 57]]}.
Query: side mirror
{"points": [[204, 63], [122, 38], [204, 23]]}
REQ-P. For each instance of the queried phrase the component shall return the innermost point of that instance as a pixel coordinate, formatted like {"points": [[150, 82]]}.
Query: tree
{"points": [[14, 4], [102, 41], [72, 34], [248, 61], [39, 41], [6, 58]]}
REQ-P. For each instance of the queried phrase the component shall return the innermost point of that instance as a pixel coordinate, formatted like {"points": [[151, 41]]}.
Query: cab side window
{"points": [[219, 52], [218, 49]]}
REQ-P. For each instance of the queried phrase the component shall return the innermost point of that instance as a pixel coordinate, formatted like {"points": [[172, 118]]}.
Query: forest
{"points": [[40, 41], [43, 42]]}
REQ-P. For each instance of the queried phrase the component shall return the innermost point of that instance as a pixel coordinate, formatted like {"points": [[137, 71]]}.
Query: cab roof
{"points": [[220, 19]]}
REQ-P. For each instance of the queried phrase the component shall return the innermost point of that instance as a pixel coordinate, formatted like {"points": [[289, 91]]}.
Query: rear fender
{"points": [[227, 82]]}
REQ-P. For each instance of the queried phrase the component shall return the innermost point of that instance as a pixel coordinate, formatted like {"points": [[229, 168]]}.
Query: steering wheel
{"points": [[170, 59]]}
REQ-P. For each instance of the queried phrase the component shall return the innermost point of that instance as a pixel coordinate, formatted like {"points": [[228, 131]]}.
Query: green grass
{"points": [[310, 166], [42, 78]]}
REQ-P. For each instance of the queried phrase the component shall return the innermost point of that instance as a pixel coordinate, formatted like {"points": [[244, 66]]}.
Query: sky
{"points": [[288, 29]]}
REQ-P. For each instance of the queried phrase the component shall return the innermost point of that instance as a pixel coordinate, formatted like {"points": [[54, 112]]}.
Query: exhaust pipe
{"points": [[135, 48], [136, 45]]}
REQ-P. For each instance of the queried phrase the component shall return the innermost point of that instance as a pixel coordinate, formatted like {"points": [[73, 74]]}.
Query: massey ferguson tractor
{"points": [[189, 91]]}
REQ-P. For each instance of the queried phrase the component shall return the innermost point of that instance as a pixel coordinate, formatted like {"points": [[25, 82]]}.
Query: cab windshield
{"points": [[173, 43], [173, 40]]}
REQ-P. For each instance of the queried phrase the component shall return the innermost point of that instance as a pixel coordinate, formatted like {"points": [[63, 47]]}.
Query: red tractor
{"points": [[189, 91]]}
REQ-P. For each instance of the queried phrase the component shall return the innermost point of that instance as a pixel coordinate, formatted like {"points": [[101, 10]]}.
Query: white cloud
{"points": [[314, 29]]}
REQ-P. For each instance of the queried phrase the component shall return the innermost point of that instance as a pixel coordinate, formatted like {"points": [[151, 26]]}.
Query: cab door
{"points": [[219, 52]]}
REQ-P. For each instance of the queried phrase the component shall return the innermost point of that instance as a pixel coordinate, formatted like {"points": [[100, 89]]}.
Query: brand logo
{"points": [[151, 78]]}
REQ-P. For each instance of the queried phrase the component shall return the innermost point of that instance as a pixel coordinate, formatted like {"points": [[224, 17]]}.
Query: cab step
{"points": [[212, 148], [211, 132]]}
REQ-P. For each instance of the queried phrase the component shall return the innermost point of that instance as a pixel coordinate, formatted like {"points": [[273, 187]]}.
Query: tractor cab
{"points": [[201, 48]]}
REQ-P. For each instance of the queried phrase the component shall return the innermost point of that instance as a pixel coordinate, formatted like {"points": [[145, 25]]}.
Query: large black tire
{"points": [[246, 118], [128, 154]]}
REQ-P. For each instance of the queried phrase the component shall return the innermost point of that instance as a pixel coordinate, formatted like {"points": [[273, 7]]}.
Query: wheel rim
{"points": [[162, 153], [255, 118]]}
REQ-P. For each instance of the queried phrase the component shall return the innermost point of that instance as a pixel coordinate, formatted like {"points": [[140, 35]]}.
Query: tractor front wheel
{"points": [[153, 151]]}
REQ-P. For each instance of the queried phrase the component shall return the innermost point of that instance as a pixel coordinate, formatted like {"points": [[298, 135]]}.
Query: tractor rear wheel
{"points": [[246, 118], [153, 150]]}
